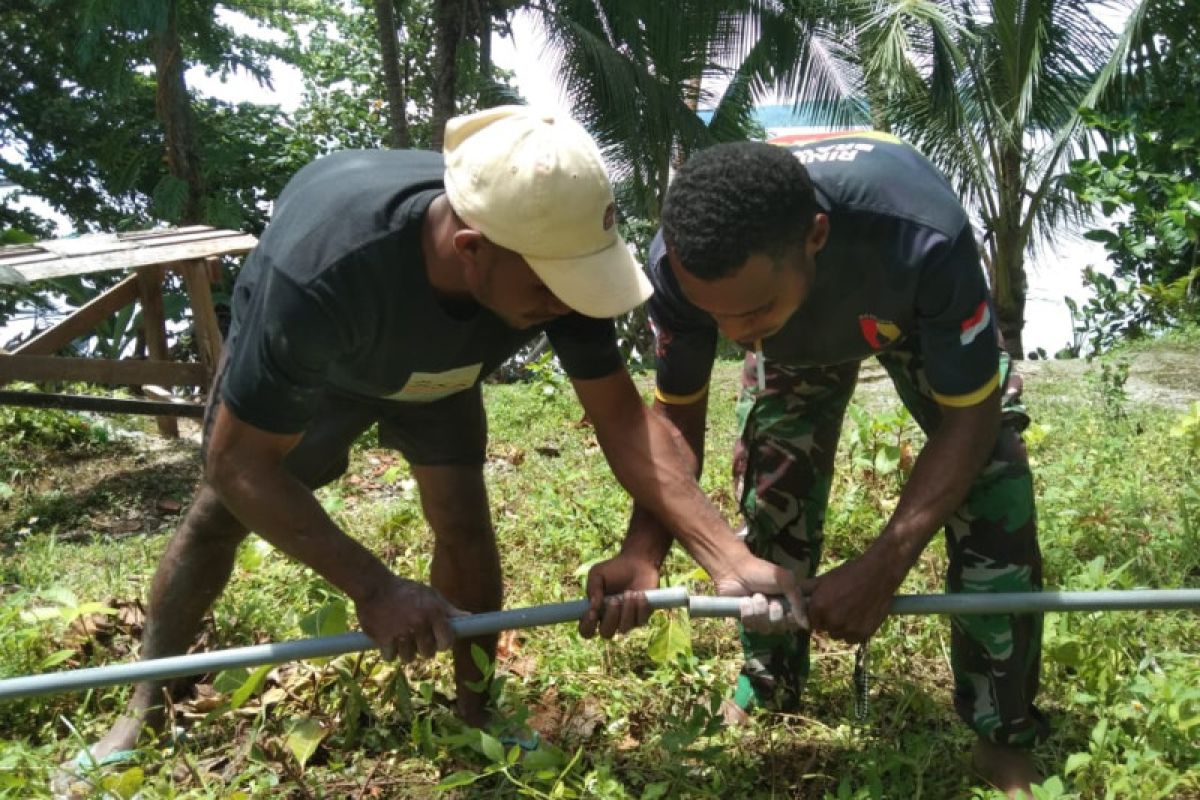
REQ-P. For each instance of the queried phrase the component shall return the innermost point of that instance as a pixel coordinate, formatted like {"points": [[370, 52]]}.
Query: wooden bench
{"points": [[192, 252]]}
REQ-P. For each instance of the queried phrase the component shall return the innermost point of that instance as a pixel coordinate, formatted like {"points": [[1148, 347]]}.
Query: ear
{"points": [[468, 243], [471, 247], [819, 235]]}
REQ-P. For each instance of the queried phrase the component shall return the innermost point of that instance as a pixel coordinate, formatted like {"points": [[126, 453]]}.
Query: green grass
{"points": [[82, 520]]}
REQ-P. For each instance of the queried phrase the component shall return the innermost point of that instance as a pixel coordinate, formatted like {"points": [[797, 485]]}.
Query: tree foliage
{"points": [[1147, 188], [991, 90], [637, 74], [78, 121], [97, 120]]}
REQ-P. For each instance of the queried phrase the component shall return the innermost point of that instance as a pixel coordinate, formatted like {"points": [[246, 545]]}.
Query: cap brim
{"points": [[605, 284]]}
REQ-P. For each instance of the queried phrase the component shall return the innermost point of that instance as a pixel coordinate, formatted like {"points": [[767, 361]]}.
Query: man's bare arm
{"points": [[245, 466]]}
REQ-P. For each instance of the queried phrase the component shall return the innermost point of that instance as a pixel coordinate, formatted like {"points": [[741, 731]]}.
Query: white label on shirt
{"points": [[425, 387], [842, 151]]}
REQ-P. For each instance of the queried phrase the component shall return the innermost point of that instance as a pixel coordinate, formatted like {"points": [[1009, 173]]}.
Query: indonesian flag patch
{"points": [[975, 323]]}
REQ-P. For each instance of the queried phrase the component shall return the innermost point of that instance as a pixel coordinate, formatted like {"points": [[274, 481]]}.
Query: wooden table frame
{"points": [[194, 253]]}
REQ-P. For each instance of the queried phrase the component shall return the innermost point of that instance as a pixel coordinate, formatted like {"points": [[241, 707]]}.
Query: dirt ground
{"points": [[1164, 376]]}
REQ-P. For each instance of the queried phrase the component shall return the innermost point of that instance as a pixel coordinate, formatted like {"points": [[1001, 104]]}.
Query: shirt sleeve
{"points": [[956, 325], [685, 338], [276, 365], [586, 347]]}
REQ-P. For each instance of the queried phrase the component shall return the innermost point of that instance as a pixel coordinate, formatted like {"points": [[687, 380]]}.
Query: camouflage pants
{"points": [[783, 470]]}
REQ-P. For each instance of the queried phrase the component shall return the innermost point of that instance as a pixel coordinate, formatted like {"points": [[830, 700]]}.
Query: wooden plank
{"points": [[111, 405], [37, 266], [86, 245], [204, 318], [181, 236], [154, 329], [98, 243], [150, 233], [82, 321], [142, 257], [10, 277], [45, 369]]}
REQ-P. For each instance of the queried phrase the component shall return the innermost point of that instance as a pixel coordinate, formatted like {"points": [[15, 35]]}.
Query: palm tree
{"points": [[990, 91], [994, 96], [637, 73]]}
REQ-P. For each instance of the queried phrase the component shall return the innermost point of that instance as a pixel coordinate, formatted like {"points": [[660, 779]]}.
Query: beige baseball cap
{"points": [[533, 181]]}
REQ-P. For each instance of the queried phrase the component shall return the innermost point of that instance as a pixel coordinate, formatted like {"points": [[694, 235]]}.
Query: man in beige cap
{"points": [[386, 287]]}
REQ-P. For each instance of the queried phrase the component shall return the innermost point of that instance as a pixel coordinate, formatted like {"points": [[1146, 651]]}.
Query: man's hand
{"points": [[852, 601], [407, 619], [625, 575], [754, 578]]}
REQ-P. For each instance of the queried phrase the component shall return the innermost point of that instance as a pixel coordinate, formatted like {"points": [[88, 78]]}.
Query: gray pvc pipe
{"points": [[158, 669], [493, 622], [1000, 603]]}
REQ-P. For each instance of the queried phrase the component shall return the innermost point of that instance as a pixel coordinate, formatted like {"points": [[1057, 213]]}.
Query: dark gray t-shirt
{"points": [[335, 298], [900, 264]]}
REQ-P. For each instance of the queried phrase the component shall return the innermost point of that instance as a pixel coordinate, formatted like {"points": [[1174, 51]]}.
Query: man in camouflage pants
{"points": [[814, 259], [783, 469]]}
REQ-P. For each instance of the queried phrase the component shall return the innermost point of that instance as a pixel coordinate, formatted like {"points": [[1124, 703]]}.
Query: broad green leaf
{"points": [[460, 778], [328, 620], [672, 637], [239, 684], [1076, 761], [250, 687], [60, 595], [41, 614], [654, 791], [92, 608], [491, 748], [482, 662], [125, 784], [544, 758], [227, 681], [303, 737], [56, 658]]}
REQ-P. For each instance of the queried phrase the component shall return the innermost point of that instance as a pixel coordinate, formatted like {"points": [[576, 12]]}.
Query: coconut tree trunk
{"points": [[1010, 279], [449, 18], [385, 18], [174, 108], [1010, 304]]}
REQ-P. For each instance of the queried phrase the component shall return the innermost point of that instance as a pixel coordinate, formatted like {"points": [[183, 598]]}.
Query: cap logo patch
{"points": [[610, 217]]}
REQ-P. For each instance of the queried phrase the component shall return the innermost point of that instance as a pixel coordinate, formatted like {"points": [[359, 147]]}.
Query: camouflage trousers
{"points": [[783, 470]]}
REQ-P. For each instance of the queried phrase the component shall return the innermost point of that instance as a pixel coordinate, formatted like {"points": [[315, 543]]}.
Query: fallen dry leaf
{"points": [[522, 666], [168, 505], [206, 700], [585, 717], [90, 626], [547, 716], [508, 645]]}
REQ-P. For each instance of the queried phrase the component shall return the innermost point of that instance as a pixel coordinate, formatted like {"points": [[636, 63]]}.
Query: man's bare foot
{"points": [[1009, 769], [122, 736], [69, 781]]}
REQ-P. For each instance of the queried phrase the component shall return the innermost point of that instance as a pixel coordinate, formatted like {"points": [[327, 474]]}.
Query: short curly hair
{"points": [[733, 200]]}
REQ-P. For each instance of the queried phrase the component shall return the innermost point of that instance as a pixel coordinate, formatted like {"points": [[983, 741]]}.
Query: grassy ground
{"points": [[86, 507]]}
